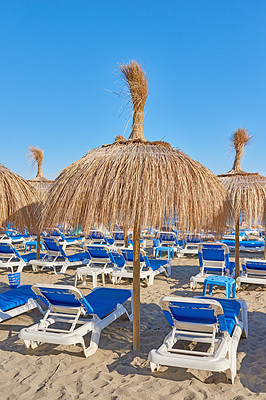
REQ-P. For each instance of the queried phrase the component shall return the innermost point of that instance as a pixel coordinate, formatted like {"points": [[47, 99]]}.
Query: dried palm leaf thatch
{"points": [[40, 183], [247, 191], [17, 199], [136, 81], [116, 182]]}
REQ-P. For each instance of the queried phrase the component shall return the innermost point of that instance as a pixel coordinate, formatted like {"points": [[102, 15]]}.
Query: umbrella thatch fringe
{"points": [[136, 81], [17, 200], [125, 176]]}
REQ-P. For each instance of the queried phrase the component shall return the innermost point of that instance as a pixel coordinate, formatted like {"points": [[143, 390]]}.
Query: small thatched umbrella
{"points": [[137, 181], [247, 191], [16, 198], [42, 185]]}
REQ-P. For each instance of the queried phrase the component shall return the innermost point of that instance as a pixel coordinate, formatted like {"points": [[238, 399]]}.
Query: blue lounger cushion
{"points": [[155, 264], [256, 266], [101, 301], [16, 297], [202, 314], [78, 256]]}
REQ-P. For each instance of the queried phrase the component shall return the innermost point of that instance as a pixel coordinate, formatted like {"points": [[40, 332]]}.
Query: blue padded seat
{"points": [[16, 297]]}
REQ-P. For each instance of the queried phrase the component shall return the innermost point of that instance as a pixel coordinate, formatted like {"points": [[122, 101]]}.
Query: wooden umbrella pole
{"points": [[136, 284], [38, 251], [237, 247]]}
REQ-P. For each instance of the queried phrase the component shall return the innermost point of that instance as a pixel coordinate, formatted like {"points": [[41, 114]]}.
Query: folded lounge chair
{"points": [[11, 258], [17, 301], [213, 260], [202, 320], [123, 262], [99, 264], [56, 257], [67, 304], [253, 271]]}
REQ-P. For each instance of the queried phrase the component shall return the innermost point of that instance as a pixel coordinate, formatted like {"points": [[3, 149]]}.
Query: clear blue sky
{"points": [[206, 66]]}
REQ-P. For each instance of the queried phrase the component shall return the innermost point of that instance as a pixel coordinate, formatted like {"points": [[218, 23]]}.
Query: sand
{"points": [[115, 372]]}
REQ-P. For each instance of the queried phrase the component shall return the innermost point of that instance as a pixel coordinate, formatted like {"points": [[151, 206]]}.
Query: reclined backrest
{"points": [[98, 251], [258, 266], [52, 246], [64, 296], [96, 235], [8, 250], [213, 252], [118, 235], [128, 255], [117, 259], [193, 311]]}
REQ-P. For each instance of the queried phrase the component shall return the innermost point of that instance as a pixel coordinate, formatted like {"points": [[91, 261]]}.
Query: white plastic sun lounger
{"points": [[99, 264], [149, 268], [213, 260], [56, 257], [17, 301], [67, 305], [210, 321], [253, 271]]}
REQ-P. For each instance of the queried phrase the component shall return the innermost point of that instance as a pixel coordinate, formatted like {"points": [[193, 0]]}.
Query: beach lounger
{"points": [[191, 246], [96, 237], [99, 264], [66, 304], [17, 301], [56, 257], [165, 239], [10, 258], [213, 322], [66, 241], [252, 271], [149, 268], [213, 260]]}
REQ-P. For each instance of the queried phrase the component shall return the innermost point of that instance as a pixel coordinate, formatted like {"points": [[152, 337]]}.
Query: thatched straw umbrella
{"points": [[137, 182], [42, 185], [16, 198], [247, 191]]}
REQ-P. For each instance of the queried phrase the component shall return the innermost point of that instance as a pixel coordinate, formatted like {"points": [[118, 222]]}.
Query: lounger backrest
{"points": [[118, 236], [53, 247], [7, 250], [193, 311], [96, 235], [128, 255], [254, 266], [64, 296], [193, 239], [98, 252], [167, 237], [213, 252], [117, 259]]}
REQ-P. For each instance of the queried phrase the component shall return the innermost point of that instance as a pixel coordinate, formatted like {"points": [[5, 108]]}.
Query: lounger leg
{"points": [[154, 367], [94, 280], [103, 278]]}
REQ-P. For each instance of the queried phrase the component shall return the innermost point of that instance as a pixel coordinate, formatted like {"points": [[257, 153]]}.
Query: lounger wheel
{"points": [[193, 285]]}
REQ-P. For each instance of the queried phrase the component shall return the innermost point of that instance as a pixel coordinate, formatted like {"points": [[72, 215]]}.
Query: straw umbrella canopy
{"points": [[137, 182], [16, 199], [247, 191], [42, 185]]}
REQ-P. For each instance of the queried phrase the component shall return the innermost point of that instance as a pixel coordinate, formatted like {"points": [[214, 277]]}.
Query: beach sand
{"points": [[115, 372]]}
